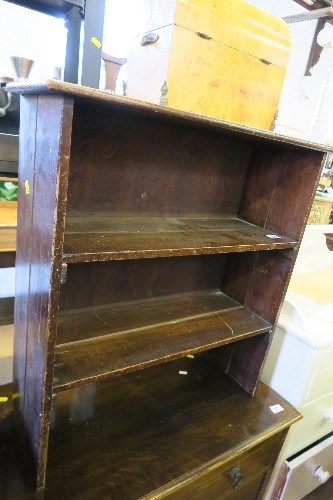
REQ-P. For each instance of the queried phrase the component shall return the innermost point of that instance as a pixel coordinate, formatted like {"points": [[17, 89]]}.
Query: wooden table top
{"points": [[7, 239]]}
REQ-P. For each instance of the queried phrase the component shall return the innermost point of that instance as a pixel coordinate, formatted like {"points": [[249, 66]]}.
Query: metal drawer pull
{"points": [[236, 477]]}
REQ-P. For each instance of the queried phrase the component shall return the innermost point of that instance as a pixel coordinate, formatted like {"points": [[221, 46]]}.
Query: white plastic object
{"points": [[322, 474]]}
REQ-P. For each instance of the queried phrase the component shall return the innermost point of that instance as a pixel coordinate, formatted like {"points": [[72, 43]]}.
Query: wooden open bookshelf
{"points": [[154, 249]]}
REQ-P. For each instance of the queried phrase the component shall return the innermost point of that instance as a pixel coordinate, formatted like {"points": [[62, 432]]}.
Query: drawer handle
{"points": [[322, 474], [149, 39], [235, 474]]}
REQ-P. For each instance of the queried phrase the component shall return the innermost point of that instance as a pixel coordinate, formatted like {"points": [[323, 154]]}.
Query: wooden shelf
{"points": [[157, 420], [156, 212], [100, 238], [132, 336]]}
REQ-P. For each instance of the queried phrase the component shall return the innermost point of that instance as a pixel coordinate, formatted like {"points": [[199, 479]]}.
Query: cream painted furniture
{"points": [[299, 367]]}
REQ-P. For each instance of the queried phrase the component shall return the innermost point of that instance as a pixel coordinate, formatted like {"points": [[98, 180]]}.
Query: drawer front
{"points": [[309, 470], [317, 421], [238, 478], [304, 433]]}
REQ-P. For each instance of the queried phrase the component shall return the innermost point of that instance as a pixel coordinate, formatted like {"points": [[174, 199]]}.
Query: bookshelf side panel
{"points": [[41, 257]]}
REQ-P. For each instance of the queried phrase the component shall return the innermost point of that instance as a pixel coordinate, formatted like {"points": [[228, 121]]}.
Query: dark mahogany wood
{"points": [[156, 426], [103, 100], [24, 245], [158, 421], [221, 481], [162, 170], [140, 315], [278, 187], [42, 193], [148, 234], [103, 238], [144, 424], [97, 284], [120, 349]]}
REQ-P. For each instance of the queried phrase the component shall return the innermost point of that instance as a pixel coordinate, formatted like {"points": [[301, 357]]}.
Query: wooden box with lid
{"points": [[223, 59]]}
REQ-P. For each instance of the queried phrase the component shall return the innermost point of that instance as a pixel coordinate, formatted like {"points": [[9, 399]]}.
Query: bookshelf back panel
{"points": [[166, 168], [101, 283], [257, 280]]}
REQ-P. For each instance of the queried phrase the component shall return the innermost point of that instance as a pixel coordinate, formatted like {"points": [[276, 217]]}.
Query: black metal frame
{"points": [[76, 12]]}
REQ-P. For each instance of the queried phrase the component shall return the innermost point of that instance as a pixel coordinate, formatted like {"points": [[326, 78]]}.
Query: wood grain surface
{"points": [[147, 234]]}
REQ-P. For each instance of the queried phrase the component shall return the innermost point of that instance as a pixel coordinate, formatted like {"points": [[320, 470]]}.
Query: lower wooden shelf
{"points": [[156, 430], [129, 336]]}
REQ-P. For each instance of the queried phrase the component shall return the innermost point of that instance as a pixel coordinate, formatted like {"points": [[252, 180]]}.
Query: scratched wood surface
{"points": [[158, 425], [102, 237], [128, 337], [159, 421]]}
